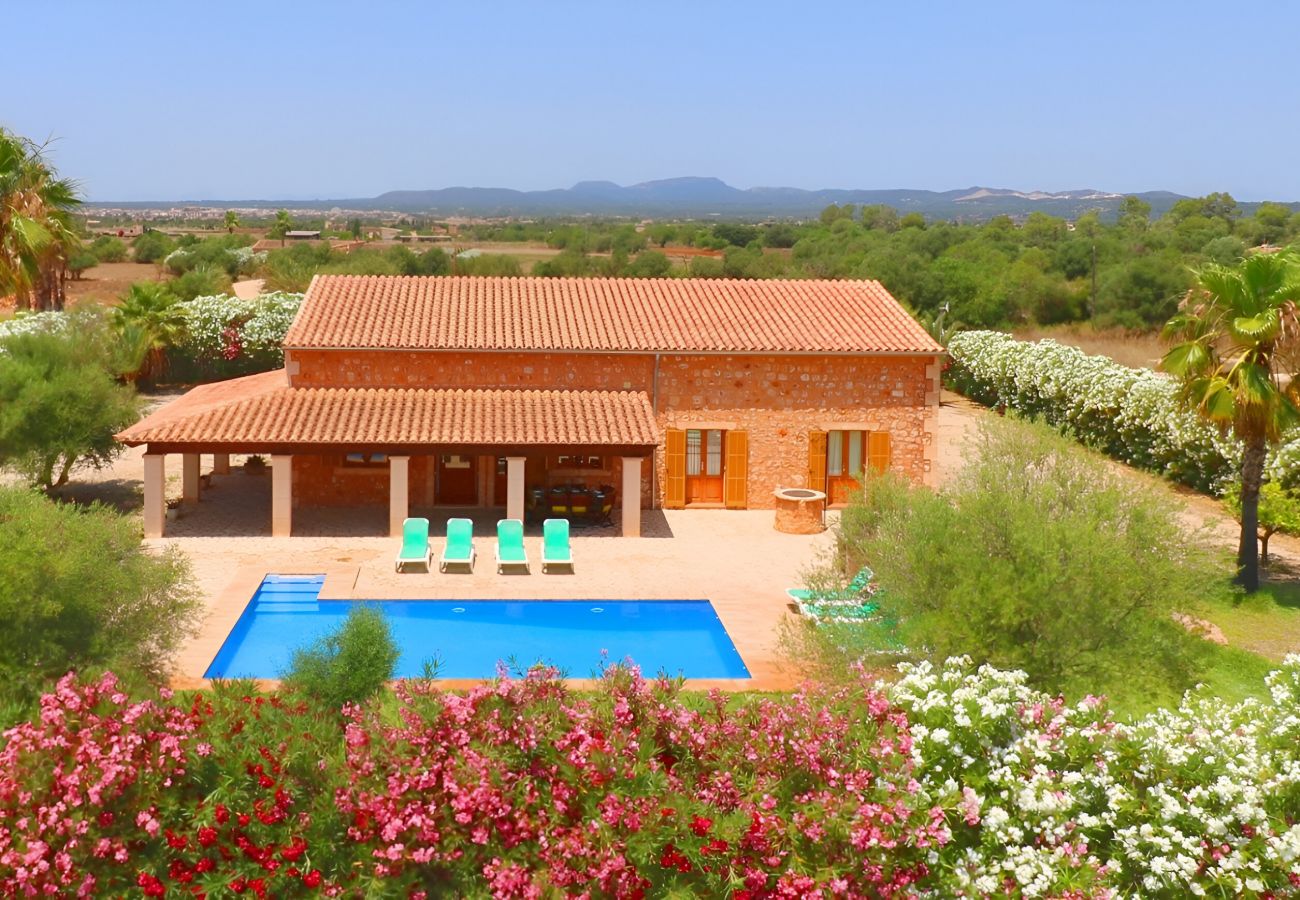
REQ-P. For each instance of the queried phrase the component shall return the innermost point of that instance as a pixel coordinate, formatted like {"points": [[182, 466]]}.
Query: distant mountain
{"points": [[702, 197], [695, 197]]}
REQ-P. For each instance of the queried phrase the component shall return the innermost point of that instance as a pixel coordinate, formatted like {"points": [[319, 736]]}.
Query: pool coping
{"points": [[340, 584]]}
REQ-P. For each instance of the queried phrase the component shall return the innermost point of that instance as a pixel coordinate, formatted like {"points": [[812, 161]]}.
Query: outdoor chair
{"points": [[415, 545], [510, 545], [459, 550], [556, 550]]}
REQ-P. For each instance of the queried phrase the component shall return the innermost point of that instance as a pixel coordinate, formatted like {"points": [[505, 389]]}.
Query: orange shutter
{"points": [[674, 469], [817, 460], [735, 473], [877, 452]]}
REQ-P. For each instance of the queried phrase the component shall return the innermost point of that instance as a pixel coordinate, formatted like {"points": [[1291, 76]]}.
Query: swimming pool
{"points": [[469, 637]]}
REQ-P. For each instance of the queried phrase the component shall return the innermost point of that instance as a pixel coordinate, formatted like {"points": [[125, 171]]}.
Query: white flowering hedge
{"points": [[1130, 414], [32, 323], [227, 336], [1203, 800]]}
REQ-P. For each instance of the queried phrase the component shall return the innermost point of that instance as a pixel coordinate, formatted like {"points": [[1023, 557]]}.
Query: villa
{"points": [[578, 395]]}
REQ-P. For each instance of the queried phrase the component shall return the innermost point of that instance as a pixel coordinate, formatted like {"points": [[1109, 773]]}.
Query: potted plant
{"points": [[254, 465], [173, 509]]}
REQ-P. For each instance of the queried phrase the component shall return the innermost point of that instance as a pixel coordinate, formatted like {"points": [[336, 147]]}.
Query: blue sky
{"points": [[281, 100]]}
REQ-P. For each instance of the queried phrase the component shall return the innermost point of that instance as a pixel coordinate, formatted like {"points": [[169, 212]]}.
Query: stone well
{"points": [[800, 510]]}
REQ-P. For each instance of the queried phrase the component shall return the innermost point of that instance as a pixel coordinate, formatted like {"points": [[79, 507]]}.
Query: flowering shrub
{"points": [[33, 323], [949, 782], [227, 336], [1130, 414]]}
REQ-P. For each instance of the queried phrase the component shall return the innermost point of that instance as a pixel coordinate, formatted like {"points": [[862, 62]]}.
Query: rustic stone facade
{"points": [[777, 399]]}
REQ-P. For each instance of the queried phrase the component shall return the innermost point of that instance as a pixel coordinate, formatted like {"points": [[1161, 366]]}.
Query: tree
{"points": [[232, 221], [354, 228], [282, 226], [1231, 339], [1279, 511], [36, 232], [152, 247], [59, 405], [1038, 556], [79, 590], [1134, 214], [149, 321]]}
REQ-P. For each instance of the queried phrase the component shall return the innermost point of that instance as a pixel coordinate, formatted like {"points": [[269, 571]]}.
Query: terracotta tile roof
{"points": [[692, 315], [394, 416]]}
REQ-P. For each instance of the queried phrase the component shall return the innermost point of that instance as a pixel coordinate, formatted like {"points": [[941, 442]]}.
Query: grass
{"points": [[1136, 349]]}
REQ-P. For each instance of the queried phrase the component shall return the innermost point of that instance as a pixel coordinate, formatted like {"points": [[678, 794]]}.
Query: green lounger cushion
{"points": [[555, 543], [510, 541], [460, 541], [415, 539]]}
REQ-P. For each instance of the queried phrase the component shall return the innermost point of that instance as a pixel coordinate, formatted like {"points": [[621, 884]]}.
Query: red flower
{"points": [[150, 885], [207, 836], [223, 814], [206, 864], [105, 819], [244, 819], [701, 826], [312, 879], [176, 841]]}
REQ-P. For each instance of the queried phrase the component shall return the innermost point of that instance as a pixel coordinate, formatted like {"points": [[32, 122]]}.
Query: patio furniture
{"points": [[459, 549], [556, 550], [853, 594], [510, 545], [415, 545]]}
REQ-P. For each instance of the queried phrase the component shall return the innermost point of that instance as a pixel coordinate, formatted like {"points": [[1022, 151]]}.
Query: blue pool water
{"points": [[469, 637]]}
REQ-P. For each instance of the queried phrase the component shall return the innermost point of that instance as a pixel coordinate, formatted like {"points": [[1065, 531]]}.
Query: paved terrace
{"points": [[733, 558]]}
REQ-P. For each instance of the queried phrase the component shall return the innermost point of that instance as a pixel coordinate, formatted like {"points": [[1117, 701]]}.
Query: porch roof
{"points": [[262, 412]]}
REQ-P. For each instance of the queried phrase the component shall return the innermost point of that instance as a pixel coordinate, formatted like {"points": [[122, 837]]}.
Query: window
{"points": [[704, 452], [365, 459], [844, 453]]}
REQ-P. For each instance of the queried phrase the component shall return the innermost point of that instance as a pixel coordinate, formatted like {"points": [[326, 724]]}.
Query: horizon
{"points": [[341, 106]]}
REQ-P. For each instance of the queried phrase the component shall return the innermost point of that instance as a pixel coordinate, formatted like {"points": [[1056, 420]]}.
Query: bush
{"points": [[108, 249], [952, 781], [203, 281], [152, 247], [225, 336], [60, 404], [79, 591], [1040, 557], [348, 665]]}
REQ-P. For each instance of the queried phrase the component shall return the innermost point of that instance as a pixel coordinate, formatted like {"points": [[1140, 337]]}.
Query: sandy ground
{"points": [[107, 281], [735, 559]]}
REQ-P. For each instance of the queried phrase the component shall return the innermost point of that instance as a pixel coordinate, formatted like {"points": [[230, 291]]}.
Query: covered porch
{"points": [[529, 454]]}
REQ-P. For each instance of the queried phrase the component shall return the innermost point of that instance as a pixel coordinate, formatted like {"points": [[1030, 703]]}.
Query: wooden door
{"points": [[456, 482], [674, 468], [735, 470], [704, 465]]}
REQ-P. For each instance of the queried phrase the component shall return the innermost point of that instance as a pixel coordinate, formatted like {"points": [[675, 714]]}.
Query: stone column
{"points": [[399, 472], [281, 495], [221, 464], [631, 496], [190, 477], [515, 487], [155, 494]]}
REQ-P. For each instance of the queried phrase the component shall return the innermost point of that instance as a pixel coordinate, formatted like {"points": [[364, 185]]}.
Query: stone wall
{"points": [[777, 399]]}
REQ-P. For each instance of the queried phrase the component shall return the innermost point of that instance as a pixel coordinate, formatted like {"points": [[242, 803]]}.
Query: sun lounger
{"points": [[459, 550], [510, 545], [555, 544], [415, 545]]}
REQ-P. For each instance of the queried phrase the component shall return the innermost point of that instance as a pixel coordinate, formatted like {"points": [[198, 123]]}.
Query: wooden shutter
{"points": [[674, 468], [735, 470], [877, 452], [817, 460]]}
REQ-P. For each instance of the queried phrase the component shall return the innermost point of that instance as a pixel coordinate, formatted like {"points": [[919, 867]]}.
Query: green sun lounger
{"points": [[853, 594], [510, 545], [459, 550], [555, 544], [415, 545]]}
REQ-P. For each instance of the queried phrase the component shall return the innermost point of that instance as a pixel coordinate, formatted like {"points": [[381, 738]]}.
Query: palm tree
{"points": [[149, 320], [232, 221], [1234, 335], [36, 232], [282, 225]]}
